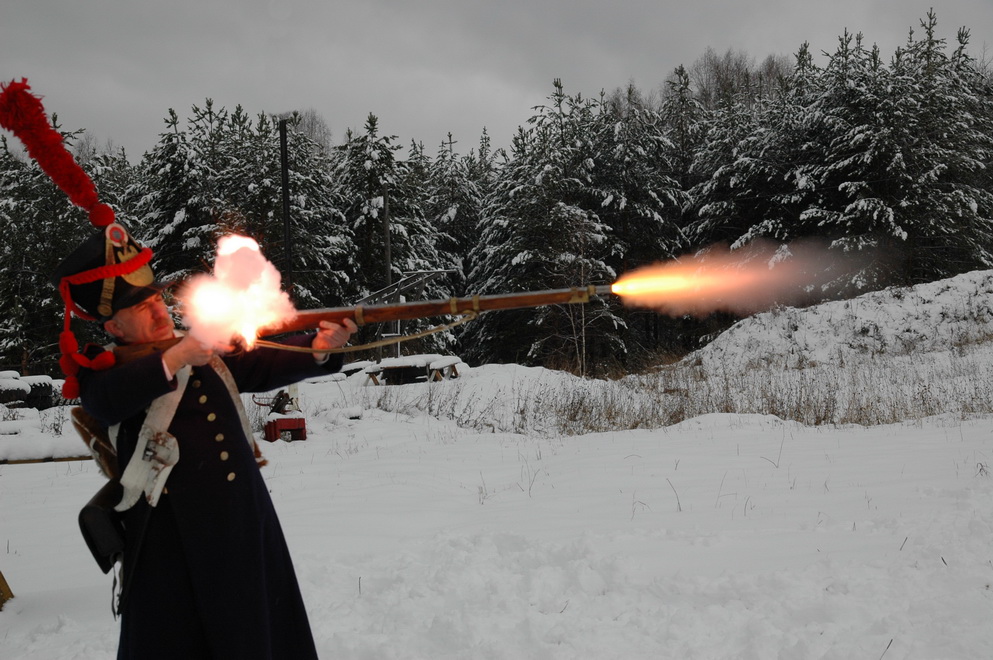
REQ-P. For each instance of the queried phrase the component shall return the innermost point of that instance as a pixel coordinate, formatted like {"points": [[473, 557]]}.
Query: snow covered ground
{"points": [[454, 520]]}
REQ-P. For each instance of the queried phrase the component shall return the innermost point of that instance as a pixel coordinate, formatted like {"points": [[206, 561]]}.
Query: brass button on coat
{"points": [[203, 398], [219, 437], [195, 383], [211, 417], [224, 455], [231, 476]]}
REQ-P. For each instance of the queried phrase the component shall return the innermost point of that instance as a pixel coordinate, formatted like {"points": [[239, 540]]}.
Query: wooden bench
{"points": [[445, 368], [426, 368], [355, 367], [372, 374]]}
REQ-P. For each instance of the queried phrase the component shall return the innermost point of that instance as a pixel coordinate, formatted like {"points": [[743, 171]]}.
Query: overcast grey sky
{"points": [[425, 68]]}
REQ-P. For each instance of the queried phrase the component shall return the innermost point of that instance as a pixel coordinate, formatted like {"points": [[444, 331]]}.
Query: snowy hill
{"points": [[937, 316]]}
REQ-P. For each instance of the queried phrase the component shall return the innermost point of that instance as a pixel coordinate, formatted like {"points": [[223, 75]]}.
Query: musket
{"points": [[404, 311], [407, 311]]}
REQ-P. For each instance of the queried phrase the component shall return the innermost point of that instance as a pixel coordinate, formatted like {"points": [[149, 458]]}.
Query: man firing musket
{"points": [[206, 569]]}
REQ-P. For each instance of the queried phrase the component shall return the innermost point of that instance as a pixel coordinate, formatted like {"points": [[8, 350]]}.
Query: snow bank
{"points": [[27, 434], [897, 321]]}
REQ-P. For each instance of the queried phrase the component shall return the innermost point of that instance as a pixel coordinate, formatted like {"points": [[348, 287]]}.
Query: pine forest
{"points": [[889, 156]]}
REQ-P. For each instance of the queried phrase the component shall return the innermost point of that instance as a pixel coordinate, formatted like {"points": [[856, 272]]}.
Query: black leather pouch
{"points": [[103, 527]]}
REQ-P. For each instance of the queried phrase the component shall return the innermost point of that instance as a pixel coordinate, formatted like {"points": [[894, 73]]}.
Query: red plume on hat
{"points": [[22, 113]]}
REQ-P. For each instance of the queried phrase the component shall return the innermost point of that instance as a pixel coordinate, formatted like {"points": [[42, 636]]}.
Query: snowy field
{"points": [[470, 519]]}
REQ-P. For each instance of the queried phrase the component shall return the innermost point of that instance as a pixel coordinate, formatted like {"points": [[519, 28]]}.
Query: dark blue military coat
{"points": [[212, 577]]}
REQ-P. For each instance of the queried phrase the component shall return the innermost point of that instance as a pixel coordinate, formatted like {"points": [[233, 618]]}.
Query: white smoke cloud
{"points": [[241, 296]]}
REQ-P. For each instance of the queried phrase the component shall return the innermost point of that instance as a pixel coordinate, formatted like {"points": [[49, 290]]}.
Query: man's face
{"points": [[145, 322]]}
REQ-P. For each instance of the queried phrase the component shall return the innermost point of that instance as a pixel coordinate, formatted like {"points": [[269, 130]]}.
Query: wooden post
{"points": [[284, 167], [5, 592]]}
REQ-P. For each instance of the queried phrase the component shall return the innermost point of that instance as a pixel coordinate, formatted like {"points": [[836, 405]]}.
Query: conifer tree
{"points": [[887, 161], [683, 117], [721, 200], [176, 204], [116, 178], [453, 206], [540, 230], [221, 174], [905, 150], [250, 202], [640, 200], [380, 203], [384, 206], [759, 192]]}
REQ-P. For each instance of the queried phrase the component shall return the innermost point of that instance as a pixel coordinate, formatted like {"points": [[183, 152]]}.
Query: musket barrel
{"points": [[406, 311]]}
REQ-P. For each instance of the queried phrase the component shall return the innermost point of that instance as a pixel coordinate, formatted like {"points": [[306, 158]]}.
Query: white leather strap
{"points": [[156, 451]]}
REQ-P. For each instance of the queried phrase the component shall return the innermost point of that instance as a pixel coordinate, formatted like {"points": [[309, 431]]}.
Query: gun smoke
{"points": [[242, 295]]}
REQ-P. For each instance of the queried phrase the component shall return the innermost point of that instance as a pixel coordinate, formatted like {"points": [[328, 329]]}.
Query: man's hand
{"points": [[332, 335], [188, 351]]}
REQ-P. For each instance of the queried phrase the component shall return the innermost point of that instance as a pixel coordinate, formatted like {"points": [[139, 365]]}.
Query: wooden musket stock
{"points": [[405, 311]]}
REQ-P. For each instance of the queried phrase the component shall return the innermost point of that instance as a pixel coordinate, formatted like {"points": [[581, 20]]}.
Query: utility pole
{"points": [[284, 166], [284, 162], [387, 256]]}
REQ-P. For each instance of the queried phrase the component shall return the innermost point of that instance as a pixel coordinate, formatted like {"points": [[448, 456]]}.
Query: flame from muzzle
{"points": [[741, 282]]}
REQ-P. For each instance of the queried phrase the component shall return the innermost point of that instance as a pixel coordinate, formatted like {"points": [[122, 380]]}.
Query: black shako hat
{"points": [[108, 272], [105, 274]]}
